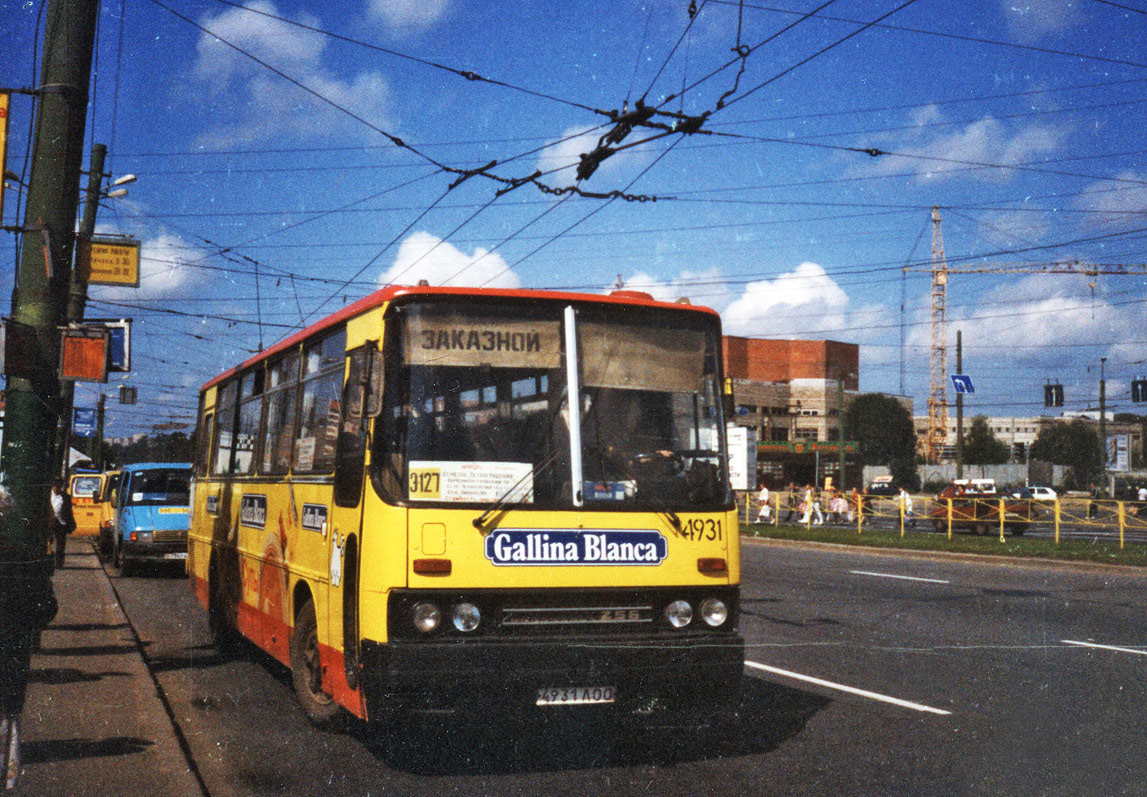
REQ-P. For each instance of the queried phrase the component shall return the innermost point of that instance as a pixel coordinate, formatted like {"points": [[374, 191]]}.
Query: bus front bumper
{"points": [[701, 673]]}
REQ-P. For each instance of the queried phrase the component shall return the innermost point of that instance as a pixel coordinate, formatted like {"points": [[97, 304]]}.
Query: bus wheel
{"points": [[307, 669], [938, 526]]}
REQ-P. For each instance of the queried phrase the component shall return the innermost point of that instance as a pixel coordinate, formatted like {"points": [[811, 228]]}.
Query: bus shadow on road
{"points": [[766, 715]]}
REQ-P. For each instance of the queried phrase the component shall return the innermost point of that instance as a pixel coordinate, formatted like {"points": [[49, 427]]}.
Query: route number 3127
{"points": [[425, 483]]}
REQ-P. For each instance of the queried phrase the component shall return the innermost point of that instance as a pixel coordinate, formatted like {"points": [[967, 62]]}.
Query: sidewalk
{"points": [[93, 722]]}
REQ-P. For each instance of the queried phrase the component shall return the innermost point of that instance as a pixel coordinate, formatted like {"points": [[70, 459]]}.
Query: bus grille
{"points": [[564, 616], [169, 535]]}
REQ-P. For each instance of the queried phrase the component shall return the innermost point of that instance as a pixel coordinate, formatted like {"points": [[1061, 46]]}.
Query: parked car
{"points": [[1036, 493], [882, 486], [978, 510], [152, 514], [981, 486]]}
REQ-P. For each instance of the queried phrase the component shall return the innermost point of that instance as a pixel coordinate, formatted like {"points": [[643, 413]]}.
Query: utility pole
{"points": [[78, 294], [28, 459], [98, 457], [1102, 422], [959, 408], [840, 425]]}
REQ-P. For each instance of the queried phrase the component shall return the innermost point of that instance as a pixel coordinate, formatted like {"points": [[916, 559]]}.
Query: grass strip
{"points": [[1090, 550]]}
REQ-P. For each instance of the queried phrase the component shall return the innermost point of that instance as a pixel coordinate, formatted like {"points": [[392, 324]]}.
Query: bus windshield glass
{"points": [[477, 408], [161, 487]]}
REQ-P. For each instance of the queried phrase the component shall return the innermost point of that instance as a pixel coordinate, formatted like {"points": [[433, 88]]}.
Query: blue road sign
{"points": [[83, 421], [962, 383]]}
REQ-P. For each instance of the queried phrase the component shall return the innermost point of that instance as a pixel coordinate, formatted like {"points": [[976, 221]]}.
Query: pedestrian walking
{"points": [[812, 507], [791, 503], [62, 518], [906, 505], [764, 511]]}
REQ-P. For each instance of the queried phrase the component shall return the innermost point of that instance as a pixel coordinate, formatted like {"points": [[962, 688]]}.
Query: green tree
{"points": [[981, 447], [1074, 444], [882, 427]]}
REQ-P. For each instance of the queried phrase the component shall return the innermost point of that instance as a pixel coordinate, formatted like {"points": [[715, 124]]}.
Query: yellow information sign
{"points": [[110, 261]]}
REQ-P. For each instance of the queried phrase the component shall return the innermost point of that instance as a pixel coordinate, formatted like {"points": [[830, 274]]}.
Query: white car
{"points": [[1038, 494]]}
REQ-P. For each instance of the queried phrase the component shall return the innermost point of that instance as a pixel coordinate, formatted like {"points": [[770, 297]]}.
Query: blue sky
{"points": [[264, 138]]}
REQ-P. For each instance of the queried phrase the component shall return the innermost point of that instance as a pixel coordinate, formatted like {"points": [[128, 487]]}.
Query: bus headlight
{"points": [[466, 617], [679, 614], [426, 617], [714, 612]]}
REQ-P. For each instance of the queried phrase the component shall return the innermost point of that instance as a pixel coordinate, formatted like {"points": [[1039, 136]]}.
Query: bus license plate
{"points": [[179, 555], [575, 695]]}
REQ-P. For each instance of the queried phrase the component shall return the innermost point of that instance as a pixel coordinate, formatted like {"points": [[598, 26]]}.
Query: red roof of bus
{"points": [[392, 292]]}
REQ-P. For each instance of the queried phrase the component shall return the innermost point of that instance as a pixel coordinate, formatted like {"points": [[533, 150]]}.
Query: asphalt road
{"points": [[930, 677]]}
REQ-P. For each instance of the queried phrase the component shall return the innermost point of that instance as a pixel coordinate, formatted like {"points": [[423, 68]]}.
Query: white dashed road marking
{"points": [[903, 578], [852, 690], [1137, 651]]}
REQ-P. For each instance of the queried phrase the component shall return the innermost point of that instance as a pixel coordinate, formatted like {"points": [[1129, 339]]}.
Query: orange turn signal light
{"points": [[712, 565], [432, 567]]}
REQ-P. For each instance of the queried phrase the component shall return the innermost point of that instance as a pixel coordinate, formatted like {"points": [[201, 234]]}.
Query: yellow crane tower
{"points": [[940, 270]]}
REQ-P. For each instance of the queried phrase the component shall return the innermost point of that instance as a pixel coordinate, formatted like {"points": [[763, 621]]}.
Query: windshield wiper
{"points": [[480, 521]]}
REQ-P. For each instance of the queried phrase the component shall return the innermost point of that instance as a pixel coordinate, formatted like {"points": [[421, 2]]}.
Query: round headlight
{"points": [[466, 617], [679, 614], [714, 612], [426, 617]]}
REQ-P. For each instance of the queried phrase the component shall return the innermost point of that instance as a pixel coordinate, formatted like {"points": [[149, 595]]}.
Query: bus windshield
{"points": [[162, 487], [478, 409]]}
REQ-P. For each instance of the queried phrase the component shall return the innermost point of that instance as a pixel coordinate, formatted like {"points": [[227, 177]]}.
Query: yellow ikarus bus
{"points": [[439, 498]]}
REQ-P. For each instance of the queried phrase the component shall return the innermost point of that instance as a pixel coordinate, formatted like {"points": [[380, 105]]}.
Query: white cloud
{"points": [[1029, 21], [425, 256], [1121, 201], [269, 105], [706, 287], [403, 15], [803, 301], [987, 141], [286, 46], [1010, 228]]}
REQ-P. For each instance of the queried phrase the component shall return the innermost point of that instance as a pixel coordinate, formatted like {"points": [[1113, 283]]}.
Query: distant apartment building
{"points": [[1020, 433]]}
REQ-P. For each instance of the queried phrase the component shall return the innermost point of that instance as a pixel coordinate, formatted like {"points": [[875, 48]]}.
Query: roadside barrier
{"points": [[1000, 516]]}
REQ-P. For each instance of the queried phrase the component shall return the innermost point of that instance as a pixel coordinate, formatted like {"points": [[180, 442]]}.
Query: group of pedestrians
{"points": [[813, 507]]}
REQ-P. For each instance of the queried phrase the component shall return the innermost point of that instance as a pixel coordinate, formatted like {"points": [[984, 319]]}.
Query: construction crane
{"points": [[941, 270]]}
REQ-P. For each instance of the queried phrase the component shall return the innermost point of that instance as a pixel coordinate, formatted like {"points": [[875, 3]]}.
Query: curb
{"points": [[956, 556]]}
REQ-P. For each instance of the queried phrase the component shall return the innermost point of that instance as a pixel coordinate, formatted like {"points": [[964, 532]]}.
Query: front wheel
{"points": [[307, 669]]}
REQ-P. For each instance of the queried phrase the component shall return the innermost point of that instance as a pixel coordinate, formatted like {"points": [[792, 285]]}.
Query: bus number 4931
{"points": [[703, 529]]}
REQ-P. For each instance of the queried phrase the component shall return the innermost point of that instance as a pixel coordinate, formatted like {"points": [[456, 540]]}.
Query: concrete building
{"points": [[1019, 433], [792, 393]]}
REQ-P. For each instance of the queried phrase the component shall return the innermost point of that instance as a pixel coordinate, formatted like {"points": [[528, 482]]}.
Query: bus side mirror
{"points": [[374, 390]]}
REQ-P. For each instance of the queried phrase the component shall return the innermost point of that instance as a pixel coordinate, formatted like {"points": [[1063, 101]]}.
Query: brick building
{"points": [[791, 392]]}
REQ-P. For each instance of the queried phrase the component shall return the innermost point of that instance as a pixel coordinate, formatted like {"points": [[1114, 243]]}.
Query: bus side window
{"points": [[351, 446]]}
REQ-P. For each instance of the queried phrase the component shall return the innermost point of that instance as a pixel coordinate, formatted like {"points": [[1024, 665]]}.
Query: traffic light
{"points": [[1053, 395], [1139, 390]]}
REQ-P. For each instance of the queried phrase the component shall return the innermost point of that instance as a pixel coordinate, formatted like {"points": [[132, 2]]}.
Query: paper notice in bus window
{"points": [[305, 453], [471, 482]]}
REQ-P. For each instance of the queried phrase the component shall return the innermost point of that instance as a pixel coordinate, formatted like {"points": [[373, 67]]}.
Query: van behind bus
{"points": [[152, 514]]}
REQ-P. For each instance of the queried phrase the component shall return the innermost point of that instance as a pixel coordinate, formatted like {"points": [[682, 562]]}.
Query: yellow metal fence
{"points": [[996, 515]]}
